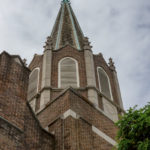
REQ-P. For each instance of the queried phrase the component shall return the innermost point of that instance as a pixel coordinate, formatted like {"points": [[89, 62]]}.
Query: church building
{"points": [[67, 98]]}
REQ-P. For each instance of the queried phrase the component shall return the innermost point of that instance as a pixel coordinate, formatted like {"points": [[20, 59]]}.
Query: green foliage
{"points": [[134, 129]]}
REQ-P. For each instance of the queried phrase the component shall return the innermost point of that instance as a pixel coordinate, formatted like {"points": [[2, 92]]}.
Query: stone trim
{"points": [[90, 76], [99, 82], [37, 68], [36, 119], [99, 110], [70, 113], [69, 45], [94, 129], [63, 91], [104, 136], [1, 118], [118, 89], [38, 82], [86, 100], [59, 72]]}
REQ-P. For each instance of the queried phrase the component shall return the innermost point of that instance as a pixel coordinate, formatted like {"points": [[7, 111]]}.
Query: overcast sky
{"points": [[117, 28]]}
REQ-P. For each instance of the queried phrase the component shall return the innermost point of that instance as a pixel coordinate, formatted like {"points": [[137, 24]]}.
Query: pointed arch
{"points": [[33, 83], [68, 74], [104, 83]]}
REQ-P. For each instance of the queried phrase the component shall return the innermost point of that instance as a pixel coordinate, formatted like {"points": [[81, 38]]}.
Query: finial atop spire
{"points": [[66, 1]]}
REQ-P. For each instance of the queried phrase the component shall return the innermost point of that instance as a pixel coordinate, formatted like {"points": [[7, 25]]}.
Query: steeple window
{"points": [[68, 73], [33, 83], [104, 83]]}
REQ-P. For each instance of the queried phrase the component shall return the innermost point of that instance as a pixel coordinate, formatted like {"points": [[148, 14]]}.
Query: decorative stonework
{"points": [[87, 45], [111, 64], [49, 44], [64, 95]]}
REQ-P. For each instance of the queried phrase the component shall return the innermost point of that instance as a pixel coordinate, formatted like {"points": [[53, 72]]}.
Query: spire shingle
{"points": [[67, 29]]}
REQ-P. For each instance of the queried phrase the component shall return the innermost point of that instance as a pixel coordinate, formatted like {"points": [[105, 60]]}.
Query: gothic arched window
{"points": [[33, 83], [68, 73], [104, 83]]}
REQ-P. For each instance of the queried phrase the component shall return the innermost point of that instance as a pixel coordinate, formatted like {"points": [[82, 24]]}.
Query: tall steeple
{"points": [[67, 29], [74, 94]]}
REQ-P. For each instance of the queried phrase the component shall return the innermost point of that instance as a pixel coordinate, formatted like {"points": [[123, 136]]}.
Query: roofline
{"points": [[15, 56]]}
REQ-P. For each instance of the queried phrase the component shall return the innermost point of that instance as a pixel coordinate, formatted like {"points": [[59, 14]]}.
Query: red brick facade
{"points": [[19, 128], [55, 118], [76, 133], [76, 129], [69, 51]]}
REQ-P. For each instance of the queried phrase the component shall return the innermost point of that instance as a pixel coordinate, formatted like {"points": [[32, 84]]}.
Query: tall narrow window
{"points": [[33, 83], [68, 73], [104, 83]]}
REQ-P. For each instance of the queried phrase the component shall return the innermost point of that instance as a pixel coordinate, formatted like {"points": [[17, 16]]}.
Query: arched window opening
{"points": [[68, 73], [33, 83], [104, 83]]}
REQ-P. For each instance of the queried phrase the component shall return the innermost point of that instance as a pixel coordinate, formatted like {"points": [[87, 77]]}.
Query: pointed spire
{"points": [[67, 29]]}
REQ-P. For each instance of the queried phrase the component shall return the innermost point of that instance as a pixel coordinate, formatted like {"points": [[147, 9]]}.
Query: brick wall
{"points": [[19, 128], [74, 134], [87, 110], [83, 107], [70, 133], [35, 137], [85, 139], [54, 110], [68, 52], [13, 90], [11, 138]]}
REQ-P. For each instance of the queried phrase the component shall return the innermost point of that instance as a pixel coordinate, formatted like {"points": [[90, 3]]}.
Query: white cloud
{"points": [[118, 29]]}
